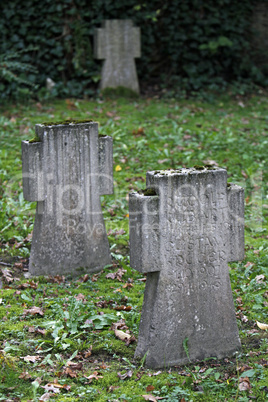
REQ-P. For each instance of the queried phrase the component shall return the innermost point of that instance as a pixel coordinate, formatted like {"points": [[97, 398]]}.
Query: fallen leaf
{"points": [[112, 388], [56, 279], [31, 359], [80, 296], [33, 311], [7, 275], [51, 388], [123, 336], [244, 384], [123, 308], [128, 285], [25, 376], [75, 366], [128, 374], [88, 352], [118, 168], [259, 278], [94, 278], [94, 376], [55, 386], [150, 388], [262, 326], [18, 265], [249, 264], [45, 397], [151, 398], [85, 278], [70, 372]]}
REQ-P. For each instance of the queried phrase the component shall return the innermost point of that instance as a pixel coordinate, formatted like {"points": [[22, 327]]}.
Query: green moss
{"points": [[67, 122], [118, 92], [198, 167], [34, 139], [148, 192]]}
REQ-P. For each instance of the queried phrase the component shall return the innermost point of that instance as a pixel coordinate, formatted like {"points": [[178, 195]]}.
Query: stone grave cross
{"points": [[184, 229], [118, 42], [65, 171]]}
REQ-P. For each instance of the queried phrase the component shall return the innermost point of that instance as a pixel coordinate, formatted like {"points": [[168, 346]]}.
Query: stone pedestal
{"points": [[66, 172], [118, 42], [183, 238]]}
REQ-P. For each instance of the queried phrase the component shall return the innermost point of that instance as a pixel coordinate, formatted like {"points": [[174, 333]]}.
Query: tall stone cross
{"points": [[118, 42], [66, 171], [183, 237]]}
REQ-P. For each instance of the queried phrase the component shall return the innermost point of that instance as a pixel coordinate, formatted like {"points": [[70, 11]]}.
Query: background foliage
{"points": [[189, 44]]}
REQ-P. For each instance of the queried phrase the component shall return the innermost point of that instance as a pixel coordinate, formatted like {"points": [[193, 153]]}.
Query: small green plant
{"points": [[73, 317], [185, 347]]}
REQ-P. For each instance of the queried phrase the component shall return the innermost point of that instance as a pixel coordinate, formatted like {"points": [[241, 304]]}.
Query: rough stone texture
{"points": [[182, 238], [118, 42], [66, 172]]}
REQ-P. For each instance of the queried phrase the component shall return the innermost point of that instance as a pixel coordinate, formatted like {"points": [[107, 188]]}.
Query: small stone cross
{"points": [[66, 171], [183, 233], [118, 42]]}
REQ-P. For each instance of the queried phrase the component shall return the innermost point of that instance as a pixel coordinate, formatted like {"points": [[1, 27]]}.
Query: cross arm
{"points": [[235, 197], [99, 43], [144, 232], [105, 165], [32, 171]]}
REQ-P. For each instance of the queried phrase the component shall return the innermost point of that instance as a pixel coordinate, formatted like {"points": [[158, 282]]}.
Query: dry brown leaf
{"points": [[128, 374], [116, 275], [68, 371], [25, 376], [150, 388], [128, 285], [94, 376], [262, 326], [244, 384], [80, 296], [31, 359], [45, 397], [75, 366], [124, 308], [85, 278], [33, 311], [88, 352], [259, 278], [151, 398]]}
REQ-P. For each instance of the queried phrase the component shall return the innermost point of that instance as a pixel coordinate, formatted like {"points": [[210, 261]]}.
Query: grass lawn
{"points": [[57, 334]]}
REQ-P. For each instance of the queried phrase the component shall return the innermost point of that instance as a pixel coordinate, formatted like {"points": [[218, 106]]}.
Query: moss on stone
{"points": [[34, 139], [148, 192], [199, 167], [66, 122]]}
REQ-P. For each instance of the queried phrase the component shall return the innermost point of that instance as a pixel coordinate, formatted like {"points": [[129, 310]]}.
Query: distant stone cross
{"points": [[66, 172], [118, 42], [183, 237]]}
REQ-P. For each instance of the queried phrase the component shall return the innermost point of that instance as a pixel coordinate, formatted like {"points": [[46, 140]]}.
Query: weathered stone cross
{"points": [[66, 171], [183, 237], [118, 42]]}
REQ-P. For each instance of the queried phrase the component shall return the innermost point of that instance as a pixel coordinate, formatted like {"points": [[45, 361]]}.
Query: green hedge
{"points": [[186, 44]]}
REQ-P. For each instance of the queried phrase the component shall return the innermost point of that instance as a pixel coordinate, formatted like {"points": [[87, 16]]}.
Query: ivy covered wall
{"points": [[188, 44]]}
